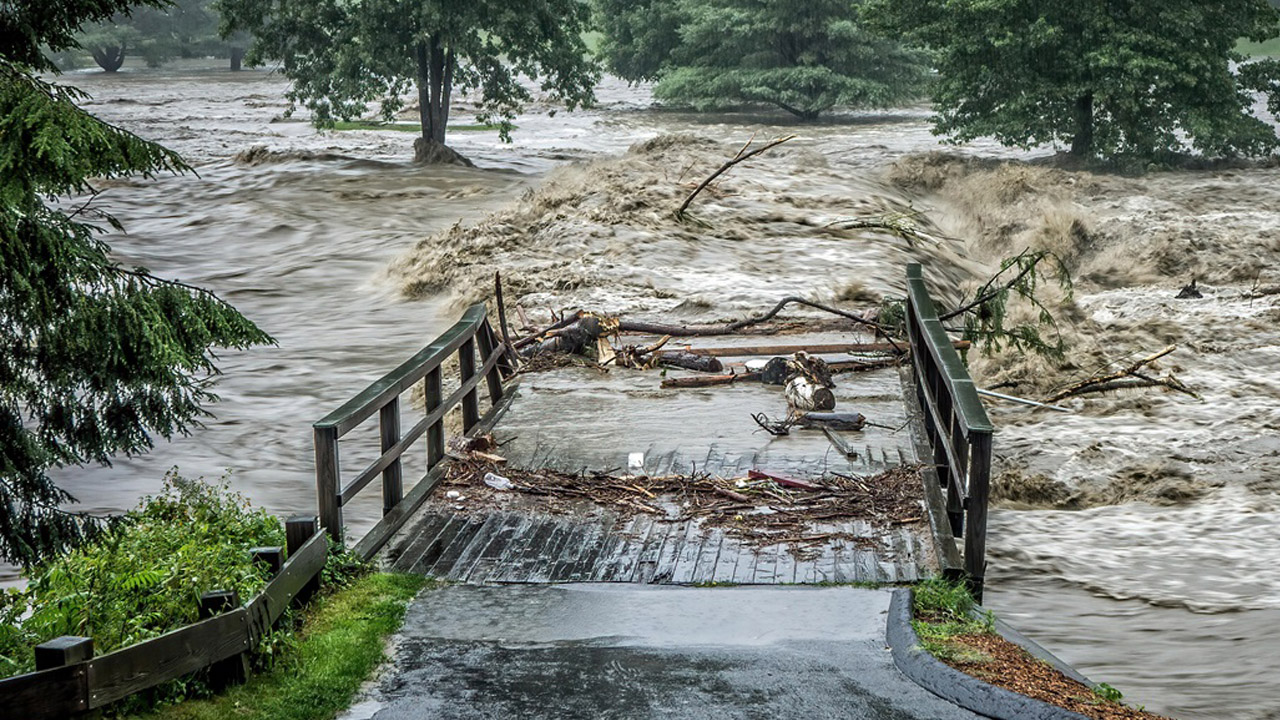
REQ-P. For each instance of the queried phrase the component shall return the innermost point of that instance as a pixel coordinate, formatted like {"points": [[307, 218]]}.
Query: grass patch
{"points": [[943, 611], [1267, 48], [409, 126], [341, 642]]}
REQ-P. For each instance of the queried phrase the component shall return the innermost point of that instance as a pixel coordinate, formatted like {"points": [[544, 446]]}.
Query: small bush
{"points": [[144, 576]]}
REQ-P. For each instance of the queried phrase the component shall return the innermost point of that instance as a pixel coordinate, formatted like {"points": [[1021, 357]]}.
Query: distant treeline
{"points": [[185, 29]]}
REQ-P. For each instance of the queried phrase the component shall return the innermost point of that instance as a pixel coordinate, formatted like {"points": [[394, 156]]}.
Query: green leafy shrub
{"points": [[142, 577]]}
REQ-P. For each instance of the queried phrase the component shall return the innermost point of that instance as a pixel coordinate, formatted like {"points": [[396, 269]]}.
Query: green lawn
{"points": [[1269, 48], [406, 126], [341, 642]]}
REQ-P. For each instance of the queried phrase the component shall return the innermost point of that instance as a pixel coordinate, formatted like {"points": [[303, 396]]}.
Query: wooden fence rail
{"points": [[70, 681], [956, 424], [383, 399]]}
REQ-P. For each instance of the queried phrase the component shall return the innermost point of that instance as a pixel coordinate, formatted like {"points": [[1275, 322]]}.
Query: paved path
{"points": [[626, 651]]}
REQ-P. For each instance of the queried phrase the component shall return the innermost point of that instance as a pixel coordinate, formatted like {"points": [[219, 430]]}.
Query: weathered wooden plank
{"points": [[172, 655], [454, 543], [461, 564], [767, 565], [521, 560], [298, 570], [55, 693], [784, 571], [415, 540], [624, 568], [542, 564], [584, 569], [492, 555], [392, 521], [670, 553], [574, 546], [686, 562], [744, 571], [732, 552], [620, 535], [647, 564], [704, 570]]}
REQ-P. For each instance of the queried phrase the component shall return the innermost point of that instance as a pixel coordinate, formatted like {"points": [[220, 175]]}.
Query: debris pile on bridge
{"points": [[762, 508]]}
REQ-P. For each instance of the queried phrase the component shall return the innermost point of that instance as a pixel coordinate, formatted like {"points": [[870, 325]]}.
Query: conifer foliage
{"points": [[96, 358]]}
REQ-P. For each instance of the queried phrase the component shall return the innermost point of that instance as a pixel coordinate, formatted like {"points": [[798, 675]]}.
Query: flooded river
{"points": [[1134, 536]]}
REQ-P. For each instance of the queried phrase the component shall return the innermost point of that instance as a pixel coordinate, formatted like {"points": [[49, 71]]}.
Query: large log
{"points": [[804, 394], [750, 350], [832, 421], [571, 339], [690, 361]]}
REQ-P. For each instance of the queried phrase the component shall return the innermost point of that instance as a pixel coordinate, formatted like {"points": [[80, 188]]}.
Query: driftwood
{"points": [[831, 420], [754, 350], [502, 318], [742, 155], [901, 224], [690, 361], [554, 327], [636, 326], [1124, 379], [804, 394], [840, 443], [570, 339]]}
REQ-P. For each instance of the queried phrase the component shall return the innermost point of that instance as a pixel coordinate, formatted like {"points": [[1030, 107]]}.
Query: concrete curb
{"points": [[960, 688]]}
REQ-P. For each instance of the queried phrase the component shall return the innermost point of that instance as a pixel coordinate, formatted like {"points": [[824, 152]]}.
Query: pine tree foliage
{"points": [[1114, 79], [805, 58], [345, 55], [96, 358]]}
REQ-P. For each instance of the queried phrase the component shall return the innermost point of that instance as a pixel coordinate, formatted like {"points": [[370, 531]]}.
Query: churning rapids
{"points": [[1135, 536]]}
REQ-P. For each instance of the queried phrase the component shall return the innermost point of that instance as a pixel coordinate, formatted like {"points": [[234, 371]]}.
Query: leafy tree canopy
{"points": [[803, 57], [343, 55], [97, 357], [1111, 78]]}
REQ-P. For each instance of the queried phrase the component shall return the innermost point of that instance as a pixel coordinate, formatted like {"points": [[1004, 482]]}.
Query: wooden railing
{"points": [[956, 426], [383, 399], [69, 681]]}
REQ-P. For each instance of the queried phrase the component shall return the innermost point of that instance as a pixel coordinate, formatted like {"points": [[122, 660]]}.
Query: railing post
{"points": [[234, 670], [433, 390], [270, 557], [470, 401], [494, 376], [392, 485], [975, 539], [328, 499], [70, 650], [297, 531]]}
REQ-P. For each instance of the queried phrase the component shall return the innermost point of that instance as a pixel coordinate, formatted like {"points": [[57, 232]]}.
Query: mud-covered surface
{"points": [[1132, 536]]}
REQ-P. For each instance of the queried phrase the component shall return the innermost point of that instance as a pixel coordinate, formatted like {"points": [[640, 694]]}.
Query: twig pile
{"points": [[760, 511]]}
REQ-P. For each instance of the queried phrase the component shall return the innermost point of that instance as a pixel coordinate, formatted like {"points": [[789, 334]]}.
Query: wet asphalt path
{"points": [[634, 651]]}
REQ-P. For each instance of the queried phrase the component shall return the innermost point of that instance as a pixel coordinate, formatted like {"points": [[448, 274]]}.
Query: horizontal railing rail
{"points": [[956, 426], [69, 680], [382, 398]]}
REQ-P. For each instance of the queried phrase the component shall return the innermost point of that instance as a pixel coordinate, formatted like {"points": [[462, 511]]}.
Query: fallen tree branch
{"points": [[740, 157], [1126, 378], [733, 327]]}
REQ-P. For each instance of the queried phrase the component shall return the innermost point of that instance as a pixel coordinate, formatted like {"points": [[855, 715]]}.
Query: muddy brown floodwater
{"points": [[1135, 536]]}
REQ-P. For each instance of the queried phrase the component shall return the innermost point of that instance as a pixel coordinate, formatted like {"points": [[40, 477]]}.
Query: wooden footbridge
{"points": [[927, 415]]}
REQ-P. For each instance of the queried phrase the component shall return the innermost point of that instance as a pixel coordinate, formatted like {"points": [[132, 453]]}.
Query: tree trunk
{"points": [[109, 58], [237, 57], [1082, 143], [435, 88]]}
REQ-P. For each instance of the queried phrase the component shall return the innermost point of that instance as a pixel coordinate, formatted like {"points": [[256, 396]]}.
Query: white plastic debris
{"points": [[740, 482], [635, 462], [453, 495], [755, 365], [497, 482]]}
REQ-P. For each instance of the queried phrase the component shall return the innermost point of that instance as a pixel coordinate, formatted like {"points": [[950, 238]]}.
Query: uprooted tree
{"points": [[97, 358], [343, 55], [1112, 79]]}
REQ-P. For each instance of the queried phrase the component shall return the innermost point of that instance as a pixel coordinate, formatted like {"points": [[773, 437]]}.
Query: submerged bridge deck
{"points": [[923, 415], [576, 418]]}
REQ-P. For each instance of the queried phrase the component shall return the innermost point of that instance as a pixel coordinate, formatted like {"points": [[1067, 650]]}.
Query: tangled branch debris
{"points": [[1132, 376], [761, 509], [744, 154], [901, 224]]}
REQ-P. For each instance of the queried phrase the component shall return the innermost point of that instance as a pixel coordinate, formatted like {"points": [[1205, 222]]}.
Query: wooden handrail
{"points": [[956, 426], [382, 398], [89, 683]]}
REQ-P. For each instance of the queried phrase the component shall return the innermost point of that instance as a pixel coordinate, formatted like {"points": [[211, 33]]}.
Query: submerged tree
{"points": [[179, 28], [805, 58], [343, 55], [1109, 78], [97, 357]]}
